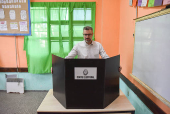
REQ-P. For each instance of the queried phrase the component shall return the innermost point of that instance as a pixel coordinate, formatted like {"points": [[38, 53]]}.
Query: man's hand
{"points": [[120, 68]]}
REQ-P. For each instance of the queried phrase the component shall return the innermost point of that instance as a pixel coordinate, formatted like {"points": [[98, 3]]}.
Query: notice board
{"points": [[15, 17]]}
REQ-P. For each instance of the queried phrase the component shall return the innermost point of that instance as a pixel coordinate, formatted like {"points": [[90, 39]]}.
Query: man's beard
{"points": [[88, 41]]}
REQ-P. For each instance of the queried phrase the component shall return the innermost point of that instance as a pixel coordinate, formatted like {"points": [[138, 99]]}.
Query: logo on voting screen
{"points": [[85, 72]]}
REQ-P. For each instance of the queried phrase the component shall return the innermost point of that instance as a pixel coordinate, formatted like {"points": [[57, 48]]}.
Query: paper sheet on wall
{"points": [[14, 25], [165, 2], [16, 6], [23, 15], [2, 15], [158, 3], [130, 2], [134, 2], [3, 25], [23, 26], [12, 14], [139, 2], [151, 3], [144, 3]]}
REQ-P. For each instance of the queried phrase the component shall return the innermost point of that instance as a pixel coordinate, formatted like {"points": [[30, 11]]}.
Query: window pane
{"points": [[65, 30], [75, 42], [55, 47], [66, 47], [54, 31], [38, 47], [39, 27], [39, 34], [54, 12], [82, 14], [38, 14], [64, 13], [78, 31]]}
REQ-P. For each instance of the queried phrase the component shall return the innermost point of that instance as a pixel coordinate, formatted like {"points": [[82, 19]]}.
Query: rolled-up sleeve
{"points": [[102, 52], [72, 53]]}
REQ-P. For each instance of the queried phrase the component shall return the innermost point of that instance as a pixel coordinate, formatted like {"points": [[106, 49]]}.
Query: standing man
{"points": [[87, 49]]}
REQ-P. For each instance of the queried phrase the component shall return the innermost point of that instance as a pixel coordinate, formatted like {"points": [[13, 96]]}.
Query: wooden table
{"points": [[50, 105]]}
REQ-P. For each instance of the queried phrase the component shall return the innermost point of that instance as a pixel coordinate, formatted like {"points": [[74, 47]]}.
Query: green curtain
{"points": [[56, 27]]}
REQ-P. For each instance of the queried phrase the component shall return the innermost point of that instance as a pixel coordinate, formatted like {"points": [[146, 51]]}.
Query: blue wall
{"points": [[44, 82], [31, 81], [140, 107]]}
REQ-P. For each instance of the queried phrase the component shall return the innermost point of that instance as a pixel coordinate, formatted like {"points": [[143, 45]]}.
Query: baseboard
{"points": [[3, 69], [29, 90]]}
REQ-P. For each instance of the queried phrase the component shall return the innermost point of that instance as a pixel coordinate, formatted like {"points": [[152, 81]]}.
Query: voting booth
{"points": [[85, 83]]}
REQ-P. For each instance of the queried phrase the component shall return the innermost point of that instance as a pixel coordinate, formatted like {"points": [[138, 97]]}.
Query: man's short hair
{"points": [[88, 28]]}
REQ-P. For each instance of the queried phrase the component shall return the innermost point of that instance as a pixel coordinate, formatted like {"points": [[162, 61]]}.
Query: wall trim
{"points": [[147, 101], [3, 69], [166, 102], [27, 91]]}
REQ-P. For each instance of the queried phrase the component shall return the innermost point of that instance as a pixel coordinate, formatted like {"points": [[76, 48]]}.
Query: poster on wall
{"points": [[153, 3], [15, 17], [130, 2], [166, 2]]}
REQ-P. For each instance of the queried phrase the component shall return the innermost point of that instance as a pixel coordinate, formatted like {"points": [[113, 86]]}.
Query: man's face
{"points": [[88, 34]]}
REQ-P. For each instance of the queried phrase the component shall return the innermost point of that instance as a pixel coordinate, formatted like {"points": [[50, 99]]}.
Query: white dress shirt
{"points": [[85, 51]]}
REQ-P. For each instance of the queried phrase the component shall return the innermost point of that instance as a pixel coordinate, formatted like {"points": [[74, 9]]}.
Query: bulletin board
{"points": [[15, 17]]}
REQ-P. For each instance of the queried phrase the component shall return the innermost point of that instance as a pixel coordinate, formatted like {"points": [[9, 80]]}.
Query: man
{"points": [[88, 48]]}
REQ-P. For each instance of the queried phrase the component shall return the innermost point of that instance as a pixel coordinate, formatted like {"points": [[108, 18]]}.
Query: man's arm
{"points": [[102, 52], [72, 53], [104, 55]]}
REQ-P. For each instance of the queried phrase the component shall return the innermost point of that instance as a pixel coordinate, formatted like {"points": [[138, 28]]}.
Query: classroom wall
{"points": [[126, 44], [106, 29], [110, 21], [114, 29], [8, 53]]}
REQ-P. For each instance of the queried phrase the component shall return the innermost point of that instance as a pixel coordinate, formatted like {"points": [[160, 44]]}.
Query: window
{"points": [[56, 28]]}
